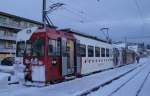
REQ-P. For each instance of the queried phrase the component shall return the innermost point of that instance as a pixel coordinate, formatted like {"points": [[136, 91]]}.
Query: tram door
{"points": [[78, 58], [67, 57], [70, 56], [64, 57]]}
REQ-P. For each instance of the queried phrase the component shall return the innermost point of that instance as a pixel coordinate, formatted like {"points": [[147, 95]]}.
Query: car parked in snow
{"points": [[9, 61]]}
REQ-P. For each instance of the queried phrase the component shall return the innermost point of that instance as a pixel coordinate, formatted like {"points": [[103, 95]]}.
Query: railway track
{"points": [[87, 92], [142, 85], [122, 85]]}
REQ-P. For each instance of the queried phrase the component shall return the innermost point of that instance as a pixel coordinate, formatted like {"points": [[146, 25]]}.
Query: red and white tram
{"points": [[55, 54]]}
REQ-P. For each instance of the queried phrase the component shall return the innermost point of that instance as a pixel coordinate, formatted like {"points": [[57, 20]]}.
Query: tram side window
{"points": [[107, 52], [90, 51], [111, 52], [54, 47], [28, 49], [103, 52], [82, 50], [97, 52]]}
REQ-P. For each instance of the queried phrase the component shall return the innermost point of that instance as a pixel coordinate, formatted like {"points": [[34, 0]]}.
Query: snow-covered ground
{"points": [[128, 84]]}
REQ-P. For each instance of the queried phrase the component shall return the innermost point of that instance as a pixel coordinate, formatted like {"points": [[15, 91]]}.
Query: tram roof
{"points": [[83, 34]]}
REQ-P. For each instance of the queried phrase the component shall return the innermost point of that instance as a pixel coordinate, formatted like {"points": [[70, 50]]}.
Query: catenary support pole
{"points": [[44, 13]]}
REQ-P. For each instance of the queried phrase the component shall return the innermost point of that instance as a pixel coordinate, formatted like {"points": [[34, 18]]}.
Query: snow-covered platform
{"points": [[83, 85]]}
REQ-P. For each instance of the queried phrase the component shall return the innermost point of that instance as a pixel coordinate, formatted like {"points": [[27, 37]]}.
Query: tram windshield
{"points": [[38, 47]]}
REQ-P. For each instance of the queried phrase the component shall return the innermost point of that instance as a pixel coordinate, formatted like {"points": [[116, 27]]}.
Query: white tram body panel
{"points": [[92, 64]]}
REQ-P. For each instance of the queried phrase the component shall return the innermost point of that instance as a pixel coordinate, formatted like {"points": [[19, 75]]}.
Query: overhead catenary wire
{"points": [[70, 11], [139, 8], [78, 13]]}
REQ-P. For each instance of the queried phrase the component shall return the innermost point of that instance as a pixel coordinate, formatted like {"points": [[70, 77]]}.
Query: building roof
{"points": [[20, 18]]}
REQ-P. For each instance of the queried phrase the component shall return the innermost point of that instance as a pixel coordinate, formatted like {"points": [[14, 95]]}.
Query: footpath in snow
{"points": [[78, 86]]}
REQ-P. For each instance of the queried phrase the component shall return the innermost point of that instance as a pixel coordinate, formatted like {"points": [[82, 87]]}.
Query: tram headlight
{"points": [[54, 61]]}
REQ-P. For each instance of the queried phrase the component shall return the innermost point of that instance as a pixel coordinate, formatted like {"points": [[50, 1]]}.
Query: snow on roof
{"points": [[25, 34], [121, 45], [133, 47]]}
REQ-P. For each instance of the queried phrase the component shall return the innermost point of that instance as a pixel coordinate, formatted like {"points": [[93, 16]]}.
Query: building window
{"points": [[25, 24], [103, 52], [8, 33], [107, 52], [31, 25], [9, 45], [14, 22], [90, 51], [97, 52], [82, 50], [54, 47], [2, 32], [3, 19]]}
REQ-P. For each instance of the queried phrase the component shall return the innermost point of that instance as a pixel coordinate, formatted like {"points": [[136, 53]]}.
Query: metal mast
{"points": [[45, 19], [44, 13]]}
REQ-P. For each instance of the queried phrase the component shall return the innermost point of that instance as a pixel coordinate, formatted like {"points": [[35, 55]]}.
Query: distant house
{"points": [[136, 47]]}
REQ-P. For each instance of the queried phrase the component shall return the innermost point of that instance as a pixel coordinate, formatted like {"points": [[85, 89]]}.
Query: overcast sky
{"points": [[124, 18]]}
